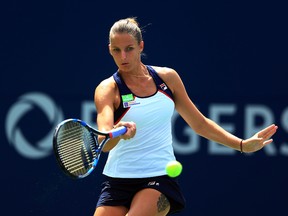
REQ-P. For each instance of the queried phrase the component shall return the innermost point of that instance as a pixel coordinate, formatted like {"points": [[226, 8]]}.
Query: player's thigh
{"points": [[111, 210], [149, 202]]}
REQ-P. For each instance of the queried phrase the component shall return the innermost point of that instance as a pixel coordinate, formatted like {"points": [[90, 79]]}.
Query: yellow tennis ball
{"points": [[173, 168]]}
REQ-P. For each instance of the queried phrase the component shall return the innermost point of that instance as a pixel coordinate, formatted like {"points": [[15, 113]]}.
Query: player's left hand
{"points": [[260, 139]]}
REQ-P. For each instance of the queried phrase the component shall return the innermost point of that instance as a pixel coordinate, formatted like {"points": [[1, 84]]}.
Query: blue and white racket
{"points": [[76, 146]]}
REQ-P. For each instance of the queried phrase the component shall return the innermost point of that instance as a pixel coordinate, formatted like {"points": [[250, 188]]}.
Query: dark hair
{"points": [[129, 26]]}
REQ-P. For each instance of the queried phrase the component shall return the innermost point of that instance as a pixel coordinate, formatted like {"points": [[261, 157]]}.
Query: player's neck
{"points": [[139, 72]]}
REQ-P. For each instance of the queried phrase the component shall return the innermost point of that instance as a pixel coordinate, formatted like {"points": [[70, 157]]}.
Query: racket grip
{"points": [[118, 132]]}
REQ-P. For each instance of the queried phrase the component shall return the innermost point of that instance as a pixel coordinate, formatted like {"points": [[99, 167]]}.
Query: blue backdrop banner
{"points": [[232, 57]]}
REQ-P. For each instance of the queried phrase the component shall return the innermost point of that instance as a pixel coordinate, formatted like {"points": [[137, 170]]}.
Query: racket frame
{"points": [[98, 146]]}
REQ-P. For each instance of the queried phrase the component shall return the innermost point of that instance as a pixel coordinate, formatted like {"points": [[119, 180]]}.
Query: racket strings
{"points": [[76, 147]]}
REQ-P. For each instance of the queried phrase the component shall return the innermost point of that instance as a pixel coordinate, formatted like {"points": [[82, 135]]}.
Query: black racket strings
{"points": [[76, 147]]}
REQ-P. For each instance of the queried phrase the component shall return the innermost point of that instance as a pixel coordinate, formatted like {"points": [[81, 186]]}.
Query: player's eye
{"points": [[116, 50], [129, 49]]}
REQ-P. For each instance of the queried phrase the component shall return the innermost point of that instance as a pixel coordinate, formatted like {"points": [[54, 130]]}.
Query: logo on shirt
{"points": [[163, 86], [128, 100]]}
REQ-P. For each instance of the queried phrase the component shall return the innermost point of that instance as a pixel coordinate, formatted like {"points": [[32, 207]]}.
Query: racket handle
{"points": [[118, 132]]}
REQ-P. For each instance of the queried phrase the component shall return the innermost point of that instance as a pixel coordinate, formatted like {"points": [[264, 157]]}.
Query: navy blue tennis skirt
{"points": [[120, 191]]}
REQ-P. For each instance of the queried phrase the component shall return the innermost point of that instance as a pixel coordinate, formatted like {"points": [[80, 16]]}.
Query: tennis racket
{"points": [[76, 146]]}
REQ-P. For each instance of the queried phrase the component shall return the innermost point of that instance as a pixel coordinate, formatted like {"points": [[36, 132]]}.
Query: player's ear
{"points": [[141, 45], [109, 47]]}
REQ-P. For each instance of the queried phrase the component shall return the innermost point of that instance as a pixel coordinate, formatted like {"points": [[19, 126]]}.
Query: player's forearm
{"points": [[111, 144], [214, 132]]}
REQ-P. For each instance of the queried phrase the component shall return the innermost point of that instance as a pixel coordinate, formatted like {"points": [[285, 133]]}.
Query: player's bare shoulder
{"points": [[164, 71], [167, 74], [107, 84], [105, 88]]}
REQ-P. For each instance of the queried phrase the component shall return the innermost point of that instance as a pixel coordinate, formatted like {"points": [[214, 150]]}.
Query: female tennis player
{"points": [[143, 98]]}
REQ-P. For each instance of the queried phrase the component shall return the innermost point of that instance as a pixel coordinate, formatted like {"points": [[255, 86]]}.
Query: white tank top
{"points": [[148, 152]]}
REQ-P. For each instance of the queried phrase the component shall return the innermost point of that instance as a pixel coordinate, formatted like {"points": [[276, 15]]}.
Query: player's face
{"points": [[126, 51]]}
